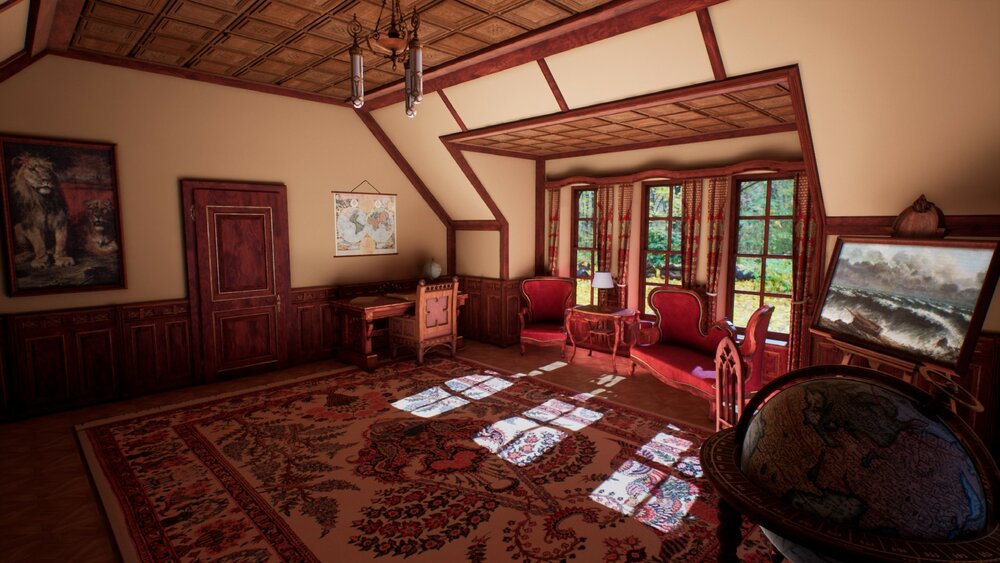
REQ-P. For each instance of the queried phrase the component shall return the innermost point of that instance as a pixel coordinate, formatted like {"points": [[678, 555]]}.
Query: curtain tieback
{"points": [[710, 294], [800, 302]]}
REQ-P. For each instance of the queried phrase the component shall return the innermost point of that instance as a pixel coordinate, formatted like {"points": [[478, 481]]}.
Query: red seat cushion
{"points": [[678, 366], [547, 298], [544, 332]]}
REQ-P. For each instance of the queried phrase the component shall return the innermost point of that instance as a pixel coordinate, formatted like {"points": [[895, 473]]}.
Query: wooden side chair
{"points": [[433, 322], [739, 369], [542, 316]]}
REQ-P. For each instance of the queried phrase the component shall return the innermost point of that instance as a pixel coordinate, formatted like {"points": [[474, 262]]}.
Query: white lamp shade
{"points": [[603, 280]]}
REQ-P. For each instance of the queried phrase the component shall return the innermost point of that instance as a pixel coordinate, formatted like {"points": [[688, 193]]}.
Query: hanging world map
{"points": [[365, 224]]}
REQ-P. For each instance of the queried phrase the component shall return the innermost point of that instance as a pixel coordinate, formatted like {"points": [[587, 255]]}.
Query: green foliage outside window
{"points": [[662, 247]]}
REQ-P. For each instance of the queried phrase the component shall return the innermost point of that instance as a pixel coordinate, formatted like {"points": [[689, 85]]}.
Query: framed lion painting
{"points": [[61, 216]]}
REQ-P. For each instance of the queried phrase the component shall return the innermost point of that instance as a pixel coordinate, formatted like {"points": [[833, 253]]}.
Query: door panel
{"points": [[238, 275]]}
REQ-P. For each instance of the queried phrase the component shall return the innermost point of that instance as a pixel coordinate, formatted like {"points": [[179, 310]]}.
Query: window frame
{"points": [[574, 241], [647, 188], [733, 254]]}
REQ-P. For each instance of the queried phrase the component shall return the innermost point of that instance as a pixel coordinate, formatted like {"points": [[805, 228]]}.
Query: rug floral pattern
{"points": [[450, 461]]}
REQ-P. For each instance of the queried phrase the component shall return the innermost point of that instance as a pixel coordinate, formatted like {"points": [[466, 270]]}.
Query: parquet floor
{"points": [[50, 512]]}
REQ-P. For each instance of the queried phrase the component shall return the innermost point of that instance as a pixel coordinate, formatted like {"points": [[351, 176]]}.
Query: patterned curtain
{"points": [[690, 230], [804, 246], [625, 229], [554, 232], [604, 215], [718, 196]]}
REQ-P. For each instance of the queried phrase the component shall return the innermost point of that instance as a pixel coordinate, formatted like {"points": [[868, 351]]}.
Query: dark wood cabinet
{"points": [[490, 312], [314, 326], [158, 346], [64, 359]]}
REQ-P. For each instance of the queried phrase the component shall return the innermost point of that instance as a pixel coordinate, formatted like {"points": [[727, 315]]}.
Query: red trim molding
{"points": [[476, 225], [738, 168], [541, 222], [553, 85], [452, 110], [881, 225], [711, 44]]}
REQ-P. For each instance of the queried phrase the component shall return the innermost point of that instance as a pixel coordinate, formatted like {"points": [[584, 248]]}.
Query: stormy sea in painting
{"points": [[916, 325], [903, 297]]}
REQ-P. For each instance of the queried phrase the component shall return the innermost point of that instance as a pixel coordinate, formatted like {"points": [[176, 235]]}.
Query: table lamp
{"points": [[603, 280]]}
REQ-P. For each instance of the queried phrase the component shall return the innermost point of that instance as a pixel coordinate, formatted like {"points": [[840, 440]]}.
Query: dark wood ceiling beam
{"points": [[765, 78], [805, 142], [67, 13], [553, 85], [541, 224], [612, 19], [476, 225], [452, 110], [418, 184], [738, 168], [711, 44], [501, 221]]}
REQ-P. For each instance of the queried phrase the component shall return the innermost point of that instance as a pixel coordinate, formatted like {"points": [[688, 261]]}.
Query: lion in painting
{"points": [[38, 210], [98, 229]]}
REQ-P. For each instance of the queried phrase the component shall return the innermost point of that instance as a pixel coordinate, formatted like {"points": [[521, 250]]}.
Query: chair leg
{"points": [[631, 370], [420, 356], [522, 348]]}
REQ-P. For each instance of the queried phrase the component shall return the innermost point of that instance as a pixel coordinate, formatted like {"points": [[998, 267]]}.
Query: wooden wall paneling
{"points": [[470, 316], [4, 370], [512, 305], [775, 361], [493, 317], [158, 347], [315, 325]]}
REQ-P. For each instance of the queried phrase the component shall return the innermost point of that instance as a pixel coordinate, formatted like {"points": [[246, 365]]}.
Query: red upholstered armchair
{"points": [[682, 354], [546, 300]]}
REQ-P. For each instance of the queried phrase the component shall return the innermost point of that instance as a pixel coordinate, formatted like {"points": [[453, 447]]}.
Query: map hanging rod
{"points": [[363, 182]]}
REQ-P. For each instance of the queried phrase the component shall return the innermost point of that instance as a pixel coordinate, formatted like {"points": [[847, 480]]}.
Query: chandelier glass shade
{"points": [[396, 40]]}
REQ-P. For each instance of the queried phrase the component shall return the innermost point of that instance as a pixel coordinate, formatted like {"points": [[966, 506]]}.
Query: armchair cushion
{"points": [[544, 332], [678, 366]]}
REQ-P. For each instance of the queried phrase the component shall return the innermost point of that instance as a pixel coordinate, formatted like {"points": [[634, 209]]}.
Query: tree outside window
{"points": [[761, 266], [584, 244], [661, 241]]}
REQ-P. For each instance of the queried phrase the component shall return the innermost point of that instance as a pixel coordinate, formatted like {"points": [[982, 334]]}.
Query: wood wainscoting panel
{"points": [[314, 332], [158, 348], [775, 361], [490, 311], [470, 317]]}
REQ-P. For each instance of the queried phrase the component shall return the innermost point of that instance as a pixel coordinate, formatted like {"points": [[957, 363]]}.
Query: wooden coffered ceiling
{"points": [[737, 107], [299, 45]]}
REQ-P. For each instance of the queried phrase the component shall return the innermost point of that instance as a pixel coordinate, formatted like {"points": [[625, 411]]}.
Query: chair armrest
{"points": [[718, 331], [645, 333]]}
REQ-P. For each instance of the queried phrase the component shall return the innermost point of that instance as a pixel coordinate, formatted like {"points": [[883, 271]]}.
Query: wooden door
{"points": [[238, 277]]}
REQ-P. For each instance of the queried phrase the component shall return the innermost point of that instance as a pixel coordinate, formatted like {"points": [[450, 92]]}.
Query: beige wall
{"points": [[13, 22], [167, 128]]}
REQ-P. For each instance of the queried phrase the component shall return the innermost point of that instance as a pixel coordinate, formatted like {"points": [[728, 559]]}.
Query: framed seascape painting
{"points": [[921, 300], [365, 224], [61, 216]]}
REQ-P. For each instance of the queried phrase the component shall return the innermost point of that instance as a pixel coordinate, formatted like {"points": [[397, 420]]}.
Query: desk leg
{"points": [[729, 532], [356, 342], [614, 347]]}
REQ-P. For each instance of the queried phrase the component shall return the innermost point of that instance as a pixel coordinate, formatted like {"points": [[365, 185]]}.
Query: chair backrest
{"points": [[680, 316], [730, 371], [548, 297], [436, 309], [752, 347]]}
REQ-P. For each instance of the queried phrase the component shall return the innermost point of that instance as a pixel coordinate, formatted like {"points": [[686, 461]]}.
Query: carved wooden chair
{"points": [[739, 369], [541, 318], [433, 322]]}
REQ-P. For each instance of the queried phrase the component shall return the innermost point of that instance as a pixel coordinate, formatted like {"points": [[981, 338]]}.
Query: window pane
{"points": [[781, 318], [674, 270], [585, 205], [584, 263], [751, 237], [658, 235], [778, 276], [744, 304], [659, 201], [782, 195], [779, 237], [753, 196], [583, 293], [655, 265], [747, 274], [675, 236], [645, 300], [678, 204], [585, 234]]}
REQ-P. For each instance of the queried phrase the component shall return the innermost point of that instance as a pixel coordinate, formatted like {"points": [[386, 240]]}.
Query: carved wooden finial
{"points": [[923, 219]]}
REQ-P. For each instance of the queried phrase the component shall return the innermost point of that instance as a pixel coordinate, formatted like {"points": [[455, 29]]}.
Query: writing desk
{"points": [[356, 318], [602, 323]]}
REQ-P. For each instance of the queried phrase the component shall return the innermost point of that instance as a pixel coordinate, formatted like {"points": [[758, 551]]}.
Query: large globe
{"points": [[859, 454], [432, 270]]}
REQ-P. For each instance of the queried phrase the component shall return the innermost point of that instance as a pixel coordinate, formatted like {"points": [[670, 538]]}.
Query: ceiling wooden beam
{"points": [[611, 19], [711, 44], [40, 27], [553, 85], [63, 24], [452, 110]]}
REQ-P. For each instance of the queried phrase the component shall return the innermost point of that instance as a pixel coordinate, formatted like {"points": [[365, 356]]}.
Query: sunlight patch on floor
{"points": [[435, 400]]}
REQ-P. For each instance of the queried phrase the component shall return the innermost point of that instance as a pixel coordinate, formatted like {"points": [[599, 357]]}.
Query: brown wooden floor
{"points": [[50, 512]]}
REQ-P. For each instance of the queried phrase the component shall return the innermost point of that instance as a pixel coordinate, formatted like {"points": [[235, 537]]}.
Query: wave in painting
{"points": [[917, 325]]}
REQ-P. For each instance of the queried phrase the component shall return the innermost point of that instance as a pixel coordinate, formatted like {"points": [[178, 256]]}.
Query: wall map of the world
{"points": [[365, 224]]}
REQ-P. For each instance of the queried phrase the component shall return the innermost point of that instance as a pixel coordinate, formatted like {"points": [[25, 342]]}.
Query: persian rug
{"points": [[450, 461]]}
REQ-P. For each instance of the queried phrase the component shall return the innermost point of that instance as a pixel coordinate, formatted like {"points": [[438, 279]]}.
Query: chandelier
{"points": [[395, 40]]}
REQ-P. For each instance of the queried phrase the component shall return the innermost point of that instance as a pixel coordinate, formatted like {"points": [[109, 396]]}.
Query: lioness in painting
{"points": [[99, 227], [38, 210]]}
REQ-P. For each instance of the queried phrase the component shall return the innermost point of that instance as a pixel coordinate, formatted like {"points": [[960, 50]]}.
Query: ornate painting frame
{"points": [[61, 215], [364, 224], [919, 300]]}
